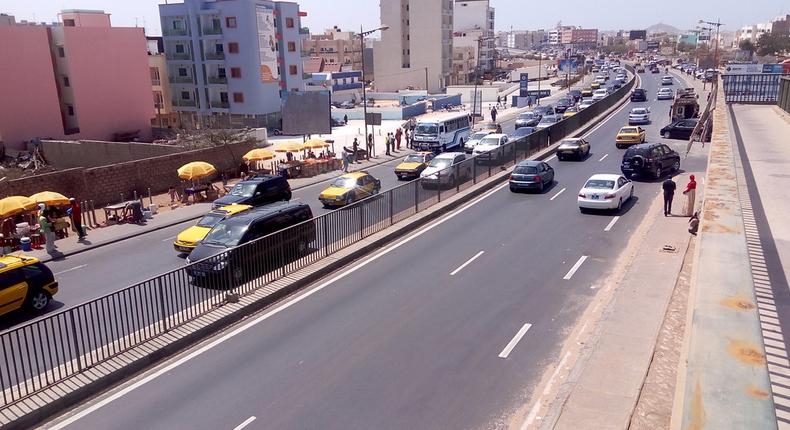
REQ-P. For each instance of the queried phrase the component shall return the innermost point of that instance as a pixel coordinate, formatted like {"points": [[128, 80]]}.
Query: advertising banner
{"points": [[267, 43], [523, 85]]}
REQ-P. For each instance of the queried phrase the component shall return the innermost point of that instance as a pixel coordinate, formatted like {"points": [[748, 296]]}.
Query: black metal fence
{"points": [[752, 88], [46, 351], [784, 94]]}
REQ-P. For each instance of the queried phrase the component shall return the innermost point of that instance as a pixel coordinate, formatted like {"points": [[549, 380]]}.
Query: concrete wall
{"points": [[65, 154]]}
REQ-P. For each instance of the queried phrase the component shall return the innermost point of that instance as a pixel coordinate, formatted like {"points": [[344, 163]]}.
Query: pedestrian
{"points": [[529, 102], [408, 139], [345, 160], [173, 194], [345, 119], [388, 143], [691, 194], [493, 114], [355, 151], [46, 228], [369, 146], [669, 187], [76, 218], [498, 101], [244, 170], [398, 135]]}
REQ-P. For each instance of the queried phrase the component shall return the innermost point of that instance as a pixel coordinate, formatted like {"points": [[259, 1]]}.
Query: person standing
{"points": [[398, 136], [493, 114], [355, 149], [408, 138], [355, 145], [387, 143], [345, 160], [498, 100], [691, 194], [371, 145], [345, 119], [76, 218], [45, 225], [669, 187]]}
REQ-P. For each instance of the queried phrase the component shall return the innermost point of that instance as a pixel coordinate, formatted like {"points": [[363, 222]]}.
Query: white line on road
{"points": [[575, 267], [558, 194], [551, 158], [245, 423], [70, 270], [467, 263], [605, 120], [604, 157], [513, 342], [611, 224]]}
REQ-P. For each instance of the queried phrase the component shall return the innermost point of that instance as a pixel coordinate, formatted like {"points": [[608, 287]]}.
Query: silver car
{"points": [[474, 139], [447, 168], [639, 115]]}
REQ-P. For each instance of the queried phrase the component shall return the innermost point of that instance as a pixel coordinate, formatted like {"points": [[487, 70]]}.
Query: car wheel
{"points": [[658, 172], [349, 199], [38, 301], [444, 148], [512, 189], [560, 158], [676, 166], [666, 135]]}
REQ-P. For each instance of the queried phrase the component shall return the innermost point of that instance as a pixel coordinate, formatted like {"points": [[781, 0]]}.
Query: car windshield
{"points": [[490, 141], [426, 129], [478, 135], [210, 220], [639, 91], [639, 111], [342, 182], [542, 109], [226, 234], [441, 163], [628, 130], [243, 190], [548, 119], [525, 170], [414, 158], [599, 184], [527, 115]]}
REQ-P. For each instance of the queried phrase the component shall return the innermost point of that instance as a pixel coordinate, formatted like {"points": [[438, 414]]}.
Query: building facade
{"points": [[80, 78], [477, 15], [230, 61], [342, 86], [165, 116], [416, 50], [336, 47], [587, 37]]}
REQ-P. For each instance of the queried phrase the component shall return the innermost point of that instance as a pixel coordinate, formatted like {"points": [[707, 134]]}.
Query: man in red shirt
{"points": [[76, 217]]}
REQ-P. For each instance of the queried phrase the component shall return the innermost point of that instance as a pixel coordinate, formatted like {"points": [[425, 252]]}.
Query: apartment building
{"points": [[524, 40], [335, 46], [230, 61], [165, 116], [416, 50], [79, 78], [586, 37], [477, 16]]}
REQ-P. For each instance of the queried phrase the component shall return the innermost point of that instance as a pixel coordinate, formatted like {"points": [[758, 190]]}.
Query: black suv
{"points": [[257, 191], [649, 159], [639, 95], [220, 260], [563, 105]]}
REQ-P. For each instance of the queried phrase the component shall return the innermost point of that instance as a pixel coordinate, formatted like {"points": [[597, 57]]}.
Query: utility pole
{"points": [[362, 35]]}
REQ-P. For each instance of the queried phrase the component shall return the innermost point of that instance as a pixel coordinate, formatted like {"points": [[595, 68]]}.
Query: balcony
{"points": [[213, 56], [217, 104], [181, 79], [216, 80], [184, 103], [212, 31], [175, 56], [175, 32]]}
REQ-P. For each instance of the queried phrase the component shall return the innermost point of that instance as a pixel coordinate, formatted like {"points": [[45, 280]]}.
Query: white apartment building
{"points": [[477, 15], [417, 49], [555, 36]]}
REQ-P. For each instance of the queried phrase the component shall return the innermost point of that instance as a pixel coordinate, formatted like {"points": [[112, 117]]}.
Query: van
{"points": [[25, 282], [257, 191]]}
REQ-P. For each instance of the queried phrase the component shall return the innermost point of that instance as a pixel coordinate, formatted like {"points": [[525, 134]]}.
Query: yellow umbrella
{"points": [[196, 170], [50, 198], [289, 147], [259, 154], [14, 205], [315, 144]]}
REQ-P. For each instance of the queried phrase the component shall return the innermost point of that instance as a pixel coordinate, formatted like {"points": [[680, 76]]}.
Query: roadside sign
{"points": [[523, 85], [373, 118], [538, 94]]}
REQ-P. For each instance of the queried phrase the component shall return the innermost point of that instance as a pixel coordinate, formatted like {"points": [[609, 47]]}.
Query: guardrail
{"points": [[752, 88], [46, 351], [784, 94]]}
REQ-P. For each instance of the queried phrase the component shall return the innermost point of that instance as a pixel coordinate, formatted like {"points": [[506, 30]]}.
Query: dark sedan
{"points": [[521, 132], [576, 94], [563, 104], [639, 95], [527, 119], [531, 175], [680, 129], [544, 110], [575, 147]]}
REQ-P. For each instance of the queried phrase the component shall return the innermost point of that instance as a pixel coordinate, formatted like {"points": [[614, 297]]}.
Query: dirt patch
{"points": [[746, 352], [738, 303]]}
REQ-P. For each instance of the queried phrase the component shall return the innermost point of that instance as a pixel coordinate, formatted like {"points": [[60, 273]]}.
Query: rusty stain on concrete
{"points": [[756, 392], [738, 303], [746, 352], [718, 228], [697, 413]]}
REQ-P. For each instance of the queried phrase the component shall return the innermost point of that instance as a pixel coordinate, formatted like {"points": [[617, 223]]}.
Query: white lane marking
{"points": [[169, 239], [469, 261], [604, 157], [513, 342], [611, 116], [575, 267], [558, 194], [252, 323], [551, 158], [611, 224], [245, 423], [70, 270]]}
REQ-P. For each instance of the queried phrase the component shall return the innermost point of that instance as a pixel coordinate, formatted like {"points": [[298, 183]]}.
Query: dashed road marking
{"points": [[611, 224], [70, 270], [558, 194], [513, 342], [245, 423], [575, 267], [469, 261], [604, 157]]}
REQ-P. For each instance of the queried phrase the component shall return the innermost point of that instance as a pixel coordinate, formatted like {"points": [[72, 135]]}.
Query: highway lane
{"points": [[402, 343]]}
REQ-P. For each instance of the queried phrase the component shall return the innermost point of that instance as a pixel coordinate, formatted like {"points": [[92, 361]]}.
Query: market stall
{"points": [[195, 172], [58, 204], [17, 220]]}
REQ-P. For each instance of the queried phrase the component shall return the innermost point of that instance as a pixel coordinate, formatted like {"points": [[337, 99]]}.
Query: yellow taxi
{"points": [[595, 85], [25, 282], [587, 92], [349, 188], [413, 165], [188, 239], [571, 111], [629, 136]]}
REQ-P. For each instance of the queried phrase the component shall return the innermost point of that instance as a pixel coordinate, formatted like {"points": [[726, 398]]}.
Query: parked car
{"points": [[219, 261], [443, 171], [548, 121], [680, 129], [652, 159], [629, 136], [25, 283], [474, 139], [667, 80], [639, 115], [531, 175], [257, 191], [639, 95], [349, 188], [664, 94], [413, 165], [527, 119], [600, 94], [577, 148], [188, 239], [492, 147], [605, 191]]}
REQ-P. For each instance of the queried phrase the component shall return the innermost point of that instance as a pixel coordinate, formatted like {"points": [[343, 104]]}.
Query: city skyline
{"points": [[322, 15]]}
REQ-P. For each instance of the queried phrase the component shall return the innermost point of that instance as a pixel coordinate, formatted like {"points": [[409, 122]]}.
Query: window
{"points": [[68, 23], [291, 46], [11, 278], [66, 82], [185, 95], [233, 48], [182, 72], [292, 70], [179, 49], [223, 97], [70, 110], [230, 22], [221, 73], [235, 72], [289, 22], [61, 52], [158, 100], [178, 25], [238, 97], [155, 79], [220, 48]]}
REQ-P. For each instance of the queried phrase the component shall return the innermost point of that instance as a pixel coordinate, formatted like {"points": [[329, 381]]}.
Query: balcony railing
{"points": [[215, 55], [182, 80], [216, 104], [184, 103], [175, 32], [212, 30], [217, 80], [179, 56]]}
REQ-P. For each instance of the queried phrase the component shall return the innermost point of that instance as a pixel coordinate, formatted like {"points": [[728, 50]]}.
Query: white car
{"points": [[585, 103], [443, 171], [605, 191], [548, 121], [639, 115], [600, 94], [474, 139], [664, 94], [600, 79], [491, 147], [666, 80]]}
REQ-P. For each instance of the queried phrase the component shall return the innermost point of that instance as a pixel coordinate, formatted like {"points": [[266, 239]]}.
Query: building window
{"points": [[66, 82], [233, 48], [238, 97], [291, 46], [155, 79], [292, 69], [158, 99], [70, 110], [184, 95], [230, 22], [178, 24], [179, 49], [68, 23], [235, 72], [182, 71], [221, 73], [223, 97], [289, 22], [61, 52], [220, 48]]}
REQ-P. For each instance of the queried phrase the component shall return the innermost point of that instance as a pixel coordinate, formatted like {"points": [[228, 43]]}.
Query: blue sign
{"points": [[523, 85], [568, 64], [537, 93], [772, 68]]}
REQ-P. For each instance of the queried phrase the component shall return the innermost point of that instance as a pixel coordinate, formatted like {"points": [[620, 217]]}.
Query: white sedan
{"points": [[605, 191]]}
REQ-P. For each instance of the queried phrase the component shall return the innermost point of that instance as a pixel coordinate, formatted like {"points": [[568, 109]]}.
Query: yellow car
{"points": [[25, 282], [629, 136], [413, 165], [188, 239], [349, 188], [595, 85], [587, 92], [571, 111]]}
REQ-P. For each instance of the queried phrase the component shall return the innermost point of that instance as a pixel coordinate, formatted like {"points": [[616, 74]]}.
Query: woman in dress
{"points": [[691, 194]]}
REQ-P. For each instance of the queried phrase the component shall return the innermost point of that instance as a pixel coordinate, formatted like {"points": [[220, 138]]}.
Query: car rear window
{"points": [[525, 170], [632, 151], [600, 184]]}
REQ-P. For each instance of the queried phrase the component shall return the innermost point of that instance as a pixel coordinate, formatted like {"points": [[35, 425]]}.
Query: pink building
{"points": [[98, 76]]}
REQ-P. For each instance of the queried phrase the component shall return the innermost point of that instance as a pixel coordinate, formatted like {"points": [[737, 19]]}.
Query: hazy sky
{"points": [[520, 14]]}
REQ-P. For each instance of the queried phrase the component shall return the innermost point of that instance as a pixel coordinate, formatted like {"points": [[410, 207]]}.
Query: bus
{"points": [[441, 131]]}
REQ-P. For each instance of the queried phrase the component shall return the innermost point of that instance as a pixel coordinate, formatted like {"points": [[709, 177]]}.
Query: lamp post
{"points": [[717, 24], [362, 35]]}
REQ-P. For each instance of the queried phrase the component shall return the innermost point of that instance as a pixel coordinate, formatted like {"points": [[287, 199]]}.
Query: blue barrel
{"points": [[25, 244]]}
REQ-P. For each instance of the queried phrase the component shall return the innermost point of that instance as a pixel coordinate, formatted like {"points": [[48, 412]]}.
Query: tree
{"points": [[685, 47], [773, 44]]}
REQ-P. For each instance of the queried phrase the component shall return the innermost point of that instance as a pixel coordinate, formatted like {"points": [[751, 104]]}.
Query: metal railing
{"points": [[784, 94], [182, 79], [175, 32], [44, 352], [215, 55], [217, 80], [753, 88], [179, 56]]}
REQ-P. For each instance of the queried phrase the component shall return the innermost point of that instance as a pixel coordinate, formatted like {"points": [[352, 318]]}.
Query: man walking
{"points": [[669, 187], [493, 114], [76, 218], [398, 135]]}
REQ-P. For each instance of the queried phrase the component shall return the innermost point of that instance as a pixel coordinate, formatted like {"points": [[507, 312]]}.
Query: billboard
{"points": [[637, 34], [267, 43], [568, 65], [306, 112]]}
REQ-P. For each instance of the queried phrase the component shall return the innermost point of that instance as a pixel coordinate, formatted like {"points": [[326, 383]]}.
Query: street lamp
{"points": [[362, 35], [716, 49]]}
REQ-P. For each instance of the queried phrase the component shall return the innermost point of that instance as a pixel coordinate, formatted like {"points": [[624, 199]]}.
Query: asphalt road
{"points": [[448, 329]]}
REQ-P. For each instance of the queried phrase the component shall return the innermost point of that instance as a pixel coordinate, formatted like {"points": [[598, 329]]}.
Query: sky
{"points": [[520, 14]]}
